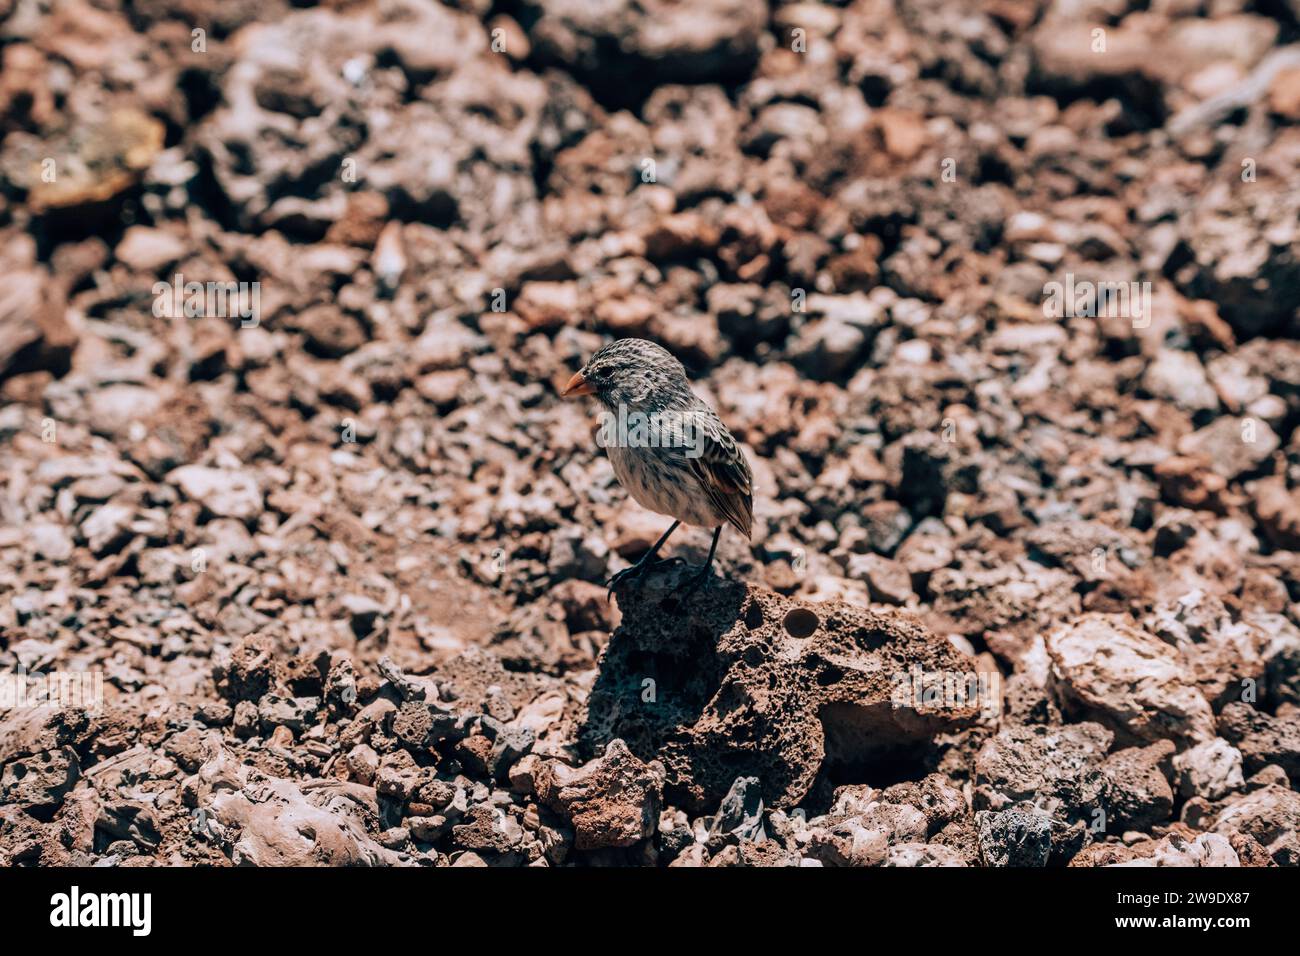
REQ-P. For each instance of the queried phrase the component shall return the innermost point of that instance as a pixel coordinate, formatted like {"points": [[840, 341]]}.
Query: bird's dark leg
{"points": [[649, 555], [702, 575], [644, 564]]}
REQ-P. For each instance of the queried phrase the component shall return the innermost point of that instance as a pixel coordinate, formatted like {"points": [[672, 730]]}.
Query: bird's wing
{"points": [[724, 474]]}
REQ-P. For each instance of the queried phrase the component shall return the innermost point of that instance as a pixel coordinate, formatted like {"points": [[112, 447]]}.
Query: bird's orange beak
{"points": [[577, 386]]}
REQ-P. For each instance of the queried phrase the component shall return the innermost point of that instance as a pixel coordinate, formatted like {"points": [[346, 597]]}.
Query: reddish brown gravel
{"points": [[327, 552]]}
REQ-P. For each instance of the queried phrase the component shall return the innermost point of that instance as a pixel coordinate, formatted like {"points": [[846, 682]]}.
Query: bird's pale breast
{"points": [[661, 480]]}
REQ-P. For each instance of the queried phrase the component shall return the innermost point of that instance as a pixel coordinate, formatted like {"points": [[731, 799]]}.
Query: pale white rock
{"points": [[1217, 652], [1127, 677], [148, 250], [1208, 849], [106, 527], [50, 541], [1179, 377], [923, 854], [1271, 815], [223, 491], [1210, 769], [114, 409]]}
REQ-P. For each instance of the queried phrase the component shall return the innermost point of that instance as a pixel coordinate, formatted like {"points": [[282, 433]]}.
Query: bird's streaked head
{"points": [[632, 372]]}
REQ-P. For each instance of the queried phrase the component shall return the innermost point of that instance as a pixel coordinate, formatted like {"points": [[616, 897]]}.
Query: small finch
{"points": [[683, 463]]}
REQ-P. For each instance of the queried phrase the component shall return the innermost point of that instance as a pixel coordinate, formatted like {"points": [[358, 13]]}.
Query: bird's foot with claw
{"points": [[697, 580], [639, 569]]}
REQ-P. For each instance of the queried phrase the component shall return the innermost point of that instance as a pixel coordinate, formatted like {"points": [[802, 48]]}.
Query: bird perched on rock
{"points": [[668, 448]]}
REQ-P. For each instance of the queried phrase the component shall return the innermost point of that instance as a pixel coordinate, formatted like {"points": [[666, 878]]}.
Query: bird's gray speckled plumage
{"points": [[707, 489]]}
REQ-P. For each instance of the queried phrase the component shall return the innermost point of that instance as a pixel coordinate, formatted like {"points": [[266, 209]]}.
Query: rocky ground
{"points": [[338, 560]]}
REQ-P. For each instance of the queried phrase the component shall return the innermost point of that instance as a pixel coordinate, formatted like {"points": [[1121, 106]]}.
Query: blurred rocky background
{"points": [[337, 553]]}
